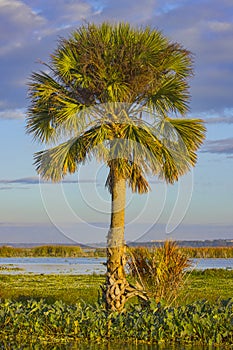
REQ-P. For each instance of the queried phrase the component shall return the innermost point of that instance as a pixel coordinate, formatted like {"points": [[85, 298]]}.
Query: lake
{"points": [[82, 266]]}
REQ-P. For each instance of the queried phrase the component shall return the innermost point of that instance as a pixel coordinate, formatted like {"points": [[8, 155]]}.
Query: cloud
{"points": [[7, 188], [224, 146], [35, 180], [4, 188], [212, 117], [221, 120], [24, 180], [29, 30], [19, 21], [135, 12], [206, 28], [12, 114], [220, 27]]}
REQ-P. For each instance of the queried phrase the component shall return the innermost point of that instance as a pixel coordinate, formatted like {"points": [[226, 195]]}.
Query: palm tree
{"points": [[115, 93]]}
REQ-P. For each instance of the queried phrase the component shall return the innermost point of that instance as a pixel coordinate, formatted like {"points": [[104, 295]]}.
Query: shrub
{"points": [[159, 271]]}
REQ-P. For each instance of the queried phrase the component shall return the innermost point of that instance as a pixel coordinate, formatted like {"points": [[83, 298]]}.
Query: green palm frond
{"points": [[192, 133], [171, 95], [53, 111]]}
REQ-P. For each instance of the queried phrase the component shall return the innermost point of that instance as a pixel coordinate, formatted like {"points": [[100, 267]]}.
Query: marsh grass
{"points": [[77, 251], [208, 252], [51, 251], [161, 272]]}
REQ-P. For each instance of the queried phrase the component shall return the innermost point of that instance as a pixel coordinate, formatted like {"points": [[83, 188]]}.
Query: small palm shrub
{"points": [[159, 271]]}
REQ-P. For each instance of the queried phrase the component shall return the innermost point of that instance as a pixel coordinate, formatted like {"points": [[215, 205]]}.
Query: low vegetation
{"points": [[210, 285], [57, 309], [200, 323], [209, 252]]}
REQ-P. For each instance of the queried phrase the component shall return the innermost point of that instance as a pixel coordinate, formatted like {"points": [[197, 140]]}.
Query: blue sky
{"points": [[200, 206]]}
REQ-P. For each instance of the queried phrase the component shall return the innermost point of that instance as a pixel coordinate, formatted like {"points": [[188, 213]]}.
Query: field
{"points": [[208, 284]]}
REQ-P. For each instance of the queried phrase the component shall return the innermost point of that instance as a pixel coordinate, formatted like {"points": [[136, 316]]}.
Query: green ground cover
{"points": [[62, 308], [199, 323]]}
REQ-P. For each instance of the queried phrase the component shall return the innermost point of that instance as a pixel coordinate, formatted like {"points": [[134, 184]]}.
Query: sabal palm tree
{"points": [[115, 93]]}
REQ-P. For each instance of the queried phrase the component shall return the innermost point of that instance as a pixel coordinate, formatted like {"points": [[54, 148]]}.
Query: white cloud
{"points": [[17, 24], [136, 12], [29, 30], [207, 30], [218, 26], [12, 114], [212, 117], [17, 12]]}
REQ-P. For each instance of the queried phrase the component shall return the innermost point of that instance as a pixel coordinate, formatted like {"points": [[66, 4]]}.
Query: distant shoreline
{"points": [[181, 243], [193, 249]]}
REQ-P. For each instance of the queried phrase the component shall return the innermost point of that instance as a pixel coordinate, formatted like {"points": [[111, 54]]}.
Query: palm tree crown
{"points": [[100, 81]]}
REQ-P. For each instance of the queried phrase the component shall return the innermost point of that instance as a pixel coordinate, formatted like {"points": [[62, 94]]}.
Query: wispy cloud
{"points": [[24, 180], [224, 116], [4, 188], [35, 180], [18, 113], [219, 120], [9, 188], [224, 146]]}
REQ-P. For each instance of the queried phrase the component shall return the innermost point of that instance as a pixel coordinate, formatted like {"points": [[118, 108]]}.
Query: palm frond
{"points": [[123, 168], [53, 111], [170, 95]]}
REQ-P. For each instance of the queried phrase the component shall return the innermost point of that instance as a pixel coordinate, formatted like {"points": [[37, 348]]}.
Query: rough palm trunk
{"points": [[117, 290], [116, 283]]}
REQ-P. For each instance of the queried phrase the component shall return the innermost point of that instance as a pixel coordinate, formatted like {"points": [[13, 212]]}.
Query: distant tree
{"points": [[115, 93]]}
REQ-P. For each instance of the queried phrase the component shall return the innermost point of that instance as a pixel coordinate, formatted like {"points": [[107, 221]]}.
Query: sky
{"points": [[199, 206]]}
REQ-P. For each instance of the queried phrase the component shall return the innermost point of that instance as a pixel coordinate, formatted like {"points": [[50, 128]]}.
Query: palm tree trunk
{"points": [[116, 283], [117, 290]]}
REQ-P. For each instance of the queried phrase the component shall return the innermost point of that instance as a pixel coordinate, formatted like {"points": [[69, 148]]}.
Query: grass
{"points": [[68, 288], [208, 284]]}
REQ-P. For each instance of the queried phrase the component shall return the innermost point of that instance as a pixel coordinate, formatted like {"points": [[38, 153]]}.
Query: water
{"points": [[82, 266], [212, 263], [74, 266]]}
